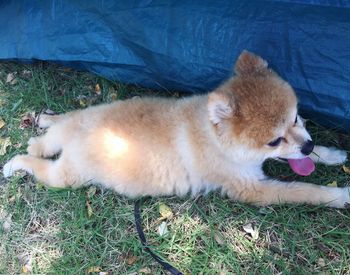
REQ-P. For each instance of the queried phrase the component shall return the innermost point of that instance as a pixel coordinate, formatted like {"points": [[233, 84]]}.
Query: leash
{"points": [[138, 223]]}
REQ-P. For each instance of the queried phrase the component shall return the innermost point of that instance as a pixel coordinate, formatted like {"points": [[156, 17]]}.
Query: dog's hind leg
{"points": [[267, 192], [54, 173]]}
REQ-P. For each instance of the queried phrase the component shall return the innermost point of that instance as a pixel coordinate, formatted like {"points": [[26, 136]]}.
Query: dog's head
{"points": [[256, 112]]}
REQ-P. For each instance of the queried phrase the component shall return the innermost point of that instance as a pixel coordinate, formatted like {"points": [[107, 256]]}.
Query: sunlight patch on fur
{"points": [[115, 145]]}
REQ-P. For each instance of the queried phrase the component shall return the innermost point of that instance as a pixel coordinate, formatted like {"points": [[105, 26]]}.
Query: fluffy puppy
{"points": [[156, 147]]}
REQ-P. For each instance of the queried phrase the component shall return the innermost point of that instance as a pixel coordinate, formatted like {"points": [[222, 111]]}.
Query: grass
{"points": [[91, 229]]}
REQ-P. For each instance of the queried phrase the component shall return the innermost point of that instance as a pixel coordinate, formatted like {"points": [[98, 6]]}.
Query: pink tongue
{"points": [[302, 167]]}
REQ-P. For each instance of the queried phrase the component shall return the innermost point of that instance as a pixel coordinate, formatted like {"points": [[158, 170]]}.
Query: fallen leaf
{"points": [[83, 101], [131, 260], [163, 229], [94, 269], [11, 79], [27, 120], [91, 192], [346, 169], [89, 209], [333, 184], [97, 89], [113, 96], [165, 211], [145, 270], [252, 230], [321, 262], [219, 238], [4, 143], [40, 185], [2, 123], [25, 269]]}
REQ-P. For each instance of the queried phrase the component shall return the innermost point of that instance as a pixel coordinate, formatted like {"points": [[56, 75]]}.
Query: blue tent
{"points": [[191, 45]]}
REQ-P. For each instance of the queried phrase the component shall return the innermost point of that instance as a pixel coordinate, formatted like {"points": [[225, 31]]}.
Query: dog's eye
{"points": [[275, 142], [296, 120]]}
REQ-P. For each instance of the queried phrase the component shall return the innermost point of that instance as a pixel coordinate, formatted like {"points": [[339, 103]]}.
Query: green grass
{"points": [[50, 231]]}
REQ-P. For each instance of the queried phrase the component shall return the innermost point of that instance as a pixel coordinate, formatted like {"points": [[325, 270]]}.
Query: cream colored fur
{"points": [[155, 146]]}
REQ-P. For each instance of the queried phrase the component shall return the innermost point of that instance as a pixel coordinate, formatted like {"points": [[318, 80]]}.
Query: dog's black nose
{"points": [[307, 147]]}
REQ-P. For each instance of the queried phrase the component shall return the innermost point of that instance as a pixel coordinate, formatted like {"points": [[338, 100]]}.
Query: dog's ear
{"points": [[250, 64], [220, 106]]}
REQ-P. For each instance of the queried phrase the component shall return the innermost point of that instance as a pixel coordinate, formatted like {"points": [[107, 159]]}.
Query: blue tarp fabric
{"points": [[191, 45]]}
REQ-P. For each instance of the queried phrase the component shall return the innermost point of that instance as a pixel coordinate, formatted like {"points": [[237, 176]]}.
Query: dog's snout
{"points": [[308, 147]]}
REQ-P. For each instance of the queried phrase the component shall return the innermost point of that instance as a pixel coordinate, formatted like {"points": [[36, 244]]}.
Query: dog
{"points": [[158, 147]]}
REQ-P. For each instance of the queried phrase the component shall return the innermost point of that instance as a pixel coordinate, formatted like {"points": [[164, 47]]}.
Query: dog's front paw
{"points": [[346, 197], [328, 155], [341, 197], [336, 156]]}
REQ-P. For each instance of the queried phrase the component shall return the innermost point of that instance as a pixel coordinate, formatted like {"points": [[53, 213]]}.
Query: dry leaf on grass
{"points": [[85, 101], [4, 143], [27, 268], [11, 79], [82, 100], [89, 194], [113, 96], [145, 270], [98, 89], [321, 262], [333, 184], [346, 169], [131, 259], [252, 230], [165, 211], [89, 209], [163, 229], [2, 123], [91, 191], [94, 269], [27, 120]]}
